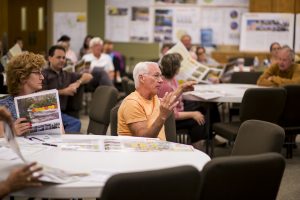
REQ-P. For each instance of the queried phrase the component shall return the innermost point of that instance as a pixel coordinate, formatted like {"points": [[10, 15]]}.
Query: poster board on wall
{"points": [[259, 30], [72, 24], [166, 21]]}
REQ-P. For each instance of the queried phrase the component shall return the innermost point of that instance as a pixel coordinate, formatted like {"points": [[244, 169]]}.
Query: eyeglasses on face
{"points": [[37, 72], [155, 76]]}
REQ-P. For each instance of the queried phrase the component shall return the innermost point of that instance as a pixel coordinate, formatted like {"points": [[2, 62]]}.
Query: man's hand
{"points": [[167, 104], [70, 90], [187, 86]]}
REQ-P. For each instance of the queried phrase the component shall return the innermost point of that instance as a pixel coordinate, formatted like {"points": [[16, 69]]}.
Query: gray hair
{"points": [[139, 69], [289, 50], [95, 40]]}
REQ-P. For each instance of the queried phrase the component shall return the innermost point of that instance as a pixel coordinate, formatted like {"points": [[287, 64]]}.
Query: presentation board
{"points": [[297, 32], [259, 30], [212, 22]]}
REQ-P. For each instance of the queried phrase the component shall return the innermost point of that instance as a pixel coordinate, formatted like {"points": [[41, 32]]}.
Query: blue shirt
{"points": [[9, 103]]}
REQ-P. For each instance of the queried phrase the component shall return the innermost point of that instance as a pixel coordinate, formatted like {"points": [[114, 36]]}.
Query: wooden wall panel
{"points": [[283, 6], [260, 6]]}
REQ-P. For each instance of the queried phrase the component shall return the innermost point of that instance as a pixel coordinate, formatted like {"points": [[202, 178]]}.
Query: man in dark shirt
{"points": [[65, 82]]}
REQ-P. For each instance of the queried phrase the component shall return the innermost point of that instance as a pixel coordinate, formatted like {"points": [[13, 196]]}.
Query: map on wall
{"points": [[72, 24]]}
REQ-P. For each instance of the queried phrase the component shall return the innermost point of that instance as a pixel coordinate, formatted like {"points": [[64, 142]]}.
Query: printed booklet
{"points": [[42, 109]]}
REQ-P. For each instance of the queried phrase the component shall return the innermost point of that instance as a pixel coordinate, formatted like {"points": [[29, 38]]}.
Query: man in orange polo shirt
{"points": [[142, 113]]}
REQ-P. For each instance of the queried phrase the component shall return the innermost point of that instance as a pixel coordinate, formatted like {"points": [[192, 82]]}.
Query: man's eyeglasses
{"points": [[155, 76]]}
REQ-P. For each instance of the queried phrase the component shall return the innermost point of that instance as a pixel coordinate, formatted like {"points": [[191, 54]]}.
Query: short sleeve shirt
{"points": [[136, 108]]}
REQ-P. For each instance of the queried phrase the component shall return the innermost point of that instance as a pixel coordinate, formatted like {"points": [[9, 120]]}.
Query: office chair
{"points": [[242, 177], [175, 183], [103, 100], [256, 137], [265, 104], [241, 78], [290, 120], [114, 120]]}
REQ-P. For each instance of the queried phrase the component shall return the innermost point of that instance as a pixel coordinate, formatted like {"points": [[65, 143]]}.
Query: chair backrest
{"points": [[172, 183], [242, 177], [291, 113], [265, 104], [256, 137], [248, 61], [103, 100], [245, 77], [170, 128], [114, 120]]}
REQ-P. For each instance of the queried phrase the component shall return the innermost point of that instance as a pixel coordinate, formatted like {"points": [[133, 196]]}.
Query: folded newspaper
{"points": [[191, 69], [49, 174], [42, 109]]}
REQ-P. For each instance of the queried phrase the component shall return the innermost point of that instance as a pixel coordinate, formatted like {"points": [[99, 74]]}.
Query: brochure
{"points": [[191, 69], [42, 109]]}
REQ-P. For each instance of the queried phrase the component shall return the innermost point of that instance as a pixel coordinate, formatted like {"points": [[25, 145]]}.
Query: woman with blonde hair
{"points": [[24, 77]]}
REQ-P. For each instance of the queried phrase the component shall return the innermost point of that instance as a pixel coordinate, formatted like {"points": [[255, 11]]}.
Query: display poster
{"points": [[163, 25], [129, 21], [259, 30], [72, 24], [221, 25], [186, 21]]}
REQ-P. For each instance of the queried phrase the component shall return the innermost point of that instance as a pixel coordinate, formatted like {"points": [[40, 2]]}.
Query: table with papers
{"points": [[99, 157]]}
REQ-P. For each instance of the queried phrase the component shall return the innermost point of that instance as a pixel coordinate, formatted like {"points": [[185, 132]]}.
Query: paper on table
{"points": [[206, 95], [99, 176], [50, 174]]}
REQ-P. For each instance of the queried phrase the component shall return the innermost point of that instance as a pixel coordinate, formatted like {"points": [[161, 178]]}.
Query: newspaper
{"points": [[49, 174], [42, 109], [191, 69]]}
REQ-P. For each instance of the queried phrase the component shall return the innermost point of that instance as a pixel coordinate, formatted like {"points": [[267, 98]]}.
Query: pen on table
{"points": [[48, 144], [31, 138]]}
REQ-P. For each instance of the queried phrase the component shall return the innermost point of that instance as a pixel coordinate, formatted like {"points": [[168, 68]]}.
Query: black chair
{"points": [[290, 120], [242, 177], [256, 137], [244, 78], [103, 100], [265, 104], [74, 104], [114, 120], [172, 183]]}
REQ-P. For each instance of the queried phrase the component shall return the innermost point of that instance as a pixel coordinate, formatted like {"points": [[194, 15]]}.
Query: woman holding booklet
{"points": [[23, 77], [193, 121]]}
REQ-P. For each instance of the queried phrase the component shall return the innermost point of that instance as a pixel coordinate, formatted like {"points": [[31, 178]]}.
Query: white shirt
{"points": [[104, 61]]}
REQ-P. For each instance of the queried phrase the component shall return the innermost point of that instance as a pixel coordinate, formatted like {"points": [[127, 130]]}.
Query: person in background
{"points": [[85, 49], [165, 48], [186, 40], [204, 59], [64, 41], [193, 121], [284, 72], [117, 58], [99, 59], [20, 42], [65, 82], [24, 77], [141, 113], [273, 59], [21, 177]]}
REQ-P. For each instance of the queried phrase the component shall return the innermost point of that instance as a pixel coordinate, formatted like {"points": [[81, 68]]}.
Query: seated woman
{"points": [[193, 121], [273, 59], [23, 77]]}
